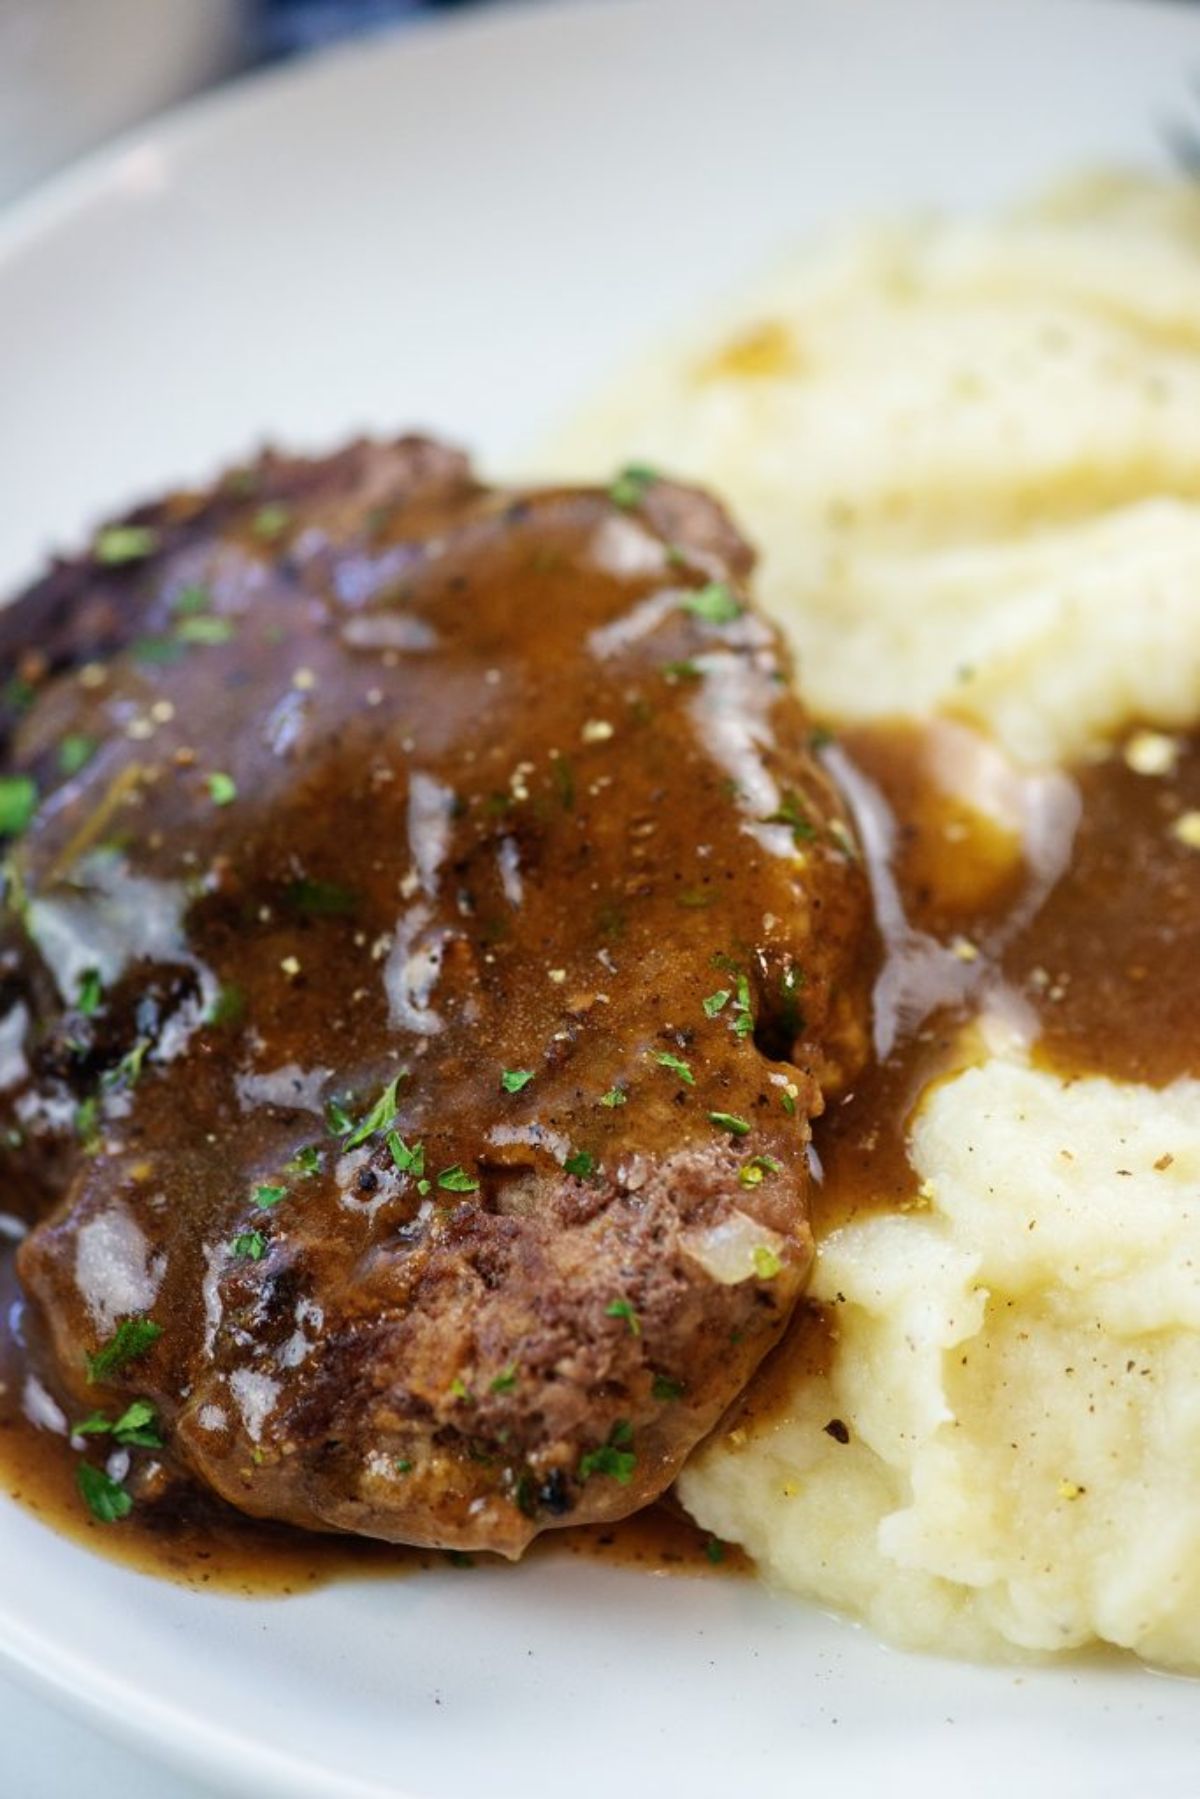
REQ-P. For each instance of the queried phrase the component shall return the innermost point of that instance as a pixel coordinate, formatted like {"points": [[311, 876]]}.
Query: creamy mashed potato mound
{"points": [[970, 456]]}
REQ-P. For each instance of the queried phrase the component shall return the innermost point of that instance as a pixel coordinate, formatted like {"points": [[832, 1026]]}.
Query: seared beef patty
{"points": [[431, 936]]}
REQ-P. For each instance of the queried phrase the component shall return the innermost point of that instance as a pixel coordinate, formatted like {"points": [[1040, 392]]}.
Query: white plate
{"points": [[462, 229]]}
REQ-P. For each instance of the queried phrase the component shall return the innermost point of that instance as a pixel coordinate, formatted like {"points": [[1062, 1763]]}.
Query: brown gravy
{"points": [[1105, 967]]}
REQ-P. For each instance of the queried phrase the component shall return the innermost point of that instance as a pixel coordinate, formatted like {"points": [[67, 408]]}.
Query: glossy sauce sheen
{"points": [[1089, 935], [388, 809]]}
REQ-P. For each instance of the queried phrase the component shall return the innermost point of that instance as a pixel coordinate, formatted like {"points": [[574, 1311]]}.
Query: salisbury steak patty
{"points": [[429, 946]]}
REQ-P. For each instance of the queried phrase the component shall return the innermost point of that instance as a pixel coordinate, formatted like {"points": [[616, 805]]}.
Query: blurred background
{"points": [[74, 72]]}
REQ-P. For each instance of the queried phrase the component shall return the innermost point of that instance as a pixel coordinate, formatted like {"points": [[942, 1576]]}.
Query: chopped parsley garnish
{"points": [[665, 1059], [621, 1308], [616, 1096], [408, 1161], [714, 1551], [631, 485], [128, 1070], [742, 1023], [204, 628], [715, 604], [716, 1001], [320, 899], [751, 1173], [74, 752], [228, 1007], [87, 1121], [457, 1180], [162, 650], [95, 1425], [265, 1197], [402, 1465], [117, 544], [337, 1119], [613, 1458], [788, 1102], [664, 1388], [190, 600], [250, 1246], [91, 992], [580, 1164], [563, 775], [19, 694], [131, 1340], [105, 1499], [729, 1121], [305, 1161], [513, 1079], [18, 803], [380, 1115], [271, 521], [790, 811], [459, 1388], [136, 1428], [683, 671], [222, 789], [505, 1381], [766, 1263]]}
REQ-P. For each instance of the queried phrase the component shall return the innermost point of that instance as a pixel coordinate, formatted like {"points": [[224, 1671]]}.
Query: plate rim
{"points": [[169, 1733]]}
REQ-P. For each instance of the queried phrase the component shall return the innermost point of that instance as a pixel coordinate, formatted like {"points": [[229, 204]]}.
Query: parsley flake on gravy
{"points": [[118, 544], [250, 1246], [271, 521], [380, 1115], [513, 1079], [714, 604], [621, 1308], [631, 485], [457, 1180], [729, 1121], [90, 993], [222, 789], [320, 899], [74, 752], [409, 1160], [131, 1340], [204, 629], [18, 803], [790, 811], [616, 1096], [751, 1173], [665, 1389], [614, 1458], [580, 1164], [106, 1499], [136, 1428], [677, 1065]]}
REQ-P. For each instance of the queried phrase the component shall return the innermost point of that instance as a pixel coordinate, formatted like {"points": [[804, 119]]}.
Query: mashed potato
{"points": [[1018, 1367], [970, 456]]}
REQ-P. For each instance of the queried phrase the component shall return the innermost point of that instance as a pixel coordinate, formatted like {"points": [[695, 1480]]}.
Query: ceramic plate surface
{"points": [[463, 229]]}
